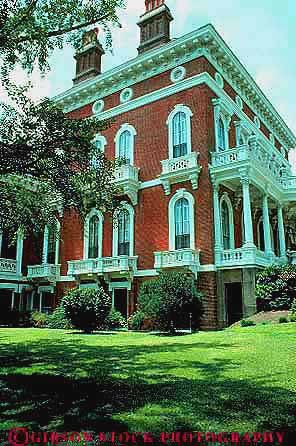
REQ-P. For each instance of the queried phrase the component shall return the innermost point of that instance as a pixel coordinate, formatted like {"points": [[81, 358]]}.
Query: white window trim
{"points": [[221, 110], [86, 233], [133, 132], [102, 139], [57, 244], [131, 212], [188, 113], [181, 193], [225, 199]]}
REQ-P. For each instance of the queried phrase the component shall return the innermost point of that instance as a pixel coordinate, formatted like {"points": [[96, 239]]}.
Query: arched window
{"points": [[179, 125], [51, 243], [93, 243], [227, 223], [125, 143], [221, 134], [125, 146], [180, 135], [99, 143], [181, 221], [182, 224], [93, 235], [123, 231]]}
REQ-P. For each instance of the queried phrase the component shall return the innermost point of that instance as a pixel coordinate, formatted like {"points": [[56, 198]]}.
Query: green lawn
{"points": [[236, 380]]}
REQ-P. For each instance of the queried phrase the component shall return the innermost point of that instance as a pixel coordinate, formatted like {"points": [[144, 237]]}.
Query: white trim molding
{"points": [[224, 112], [97, 213], [132, 131], [100, 142], [225, 199], [181, 193], [57, 244], [129, 208], [179, 108]]}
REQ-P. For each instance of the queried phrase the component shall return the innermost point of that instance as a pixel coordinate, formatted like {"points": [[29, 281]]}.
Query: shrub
{"points": [[293, 307], [136, 320], [115, 320], [38, 319], [247, 323], [169, 299], [87, 308], [293, 318], [58, 320], [276, 287], [283, 320], [16, 318]]}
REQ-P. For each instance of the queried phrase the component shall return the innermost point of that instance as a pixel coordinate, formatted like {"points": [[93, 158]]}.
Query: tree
{"points": [[30, 30], [46, 166], [45, 157], [276, 287], [168, 298], [87, 308]]}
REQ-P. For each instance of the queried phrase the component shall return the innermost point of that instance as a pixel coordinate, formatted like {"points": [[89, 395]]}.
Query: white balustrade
{"points": [[179, 258], [42, 271], [102, 265], [181, 163], [245, 256], [127, 172], [7, 266], [262, 156]]}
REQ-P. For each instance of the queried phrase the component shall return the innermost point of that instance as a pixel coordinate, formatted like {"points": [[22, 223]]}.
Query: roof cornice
{"points": [[206, 42]]}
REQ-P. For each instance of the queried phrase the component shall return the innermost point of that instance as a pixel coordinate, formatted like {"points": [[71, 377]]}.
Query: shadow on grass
{"points": [[111, 388]]}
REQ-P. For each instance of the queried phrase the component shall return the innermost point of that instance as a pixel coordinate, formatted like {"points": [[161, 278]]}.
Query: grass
{"points": [[241, 379]]}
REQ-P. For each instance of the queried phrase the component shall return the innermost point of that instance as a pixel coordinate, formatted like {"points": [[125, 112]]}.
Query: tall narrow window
{"points": [[182, 224], [93, 243], [124, 233], [51, 246], [124, 146], [180, 135], [7, 249], [225, 225], [221, 135]]}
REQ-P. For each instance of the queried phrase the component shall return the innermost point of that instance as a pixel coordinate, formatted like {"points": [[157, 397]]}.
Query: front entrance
{"points": [[120, 299], [234, 302], [5, 300]]}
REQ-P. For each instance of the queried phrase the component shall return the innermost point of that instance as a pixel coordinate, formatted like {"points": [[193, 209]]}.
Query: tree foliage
{"points": [[169, 296], [276, 287], [30, 30], [46, 166]]}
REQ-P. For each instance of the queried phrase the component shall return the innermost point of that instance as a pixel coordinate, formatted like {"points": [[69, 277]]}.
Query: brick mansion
{"points": [[207, 187]]}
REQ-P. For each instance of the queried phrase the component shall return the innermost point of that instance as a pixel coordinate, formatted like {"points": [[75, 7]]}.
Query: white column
{"points": [[19, 254], [249, 237], [217, 218], [266, 226], [0, 243], [40, 302], [281, 231]]}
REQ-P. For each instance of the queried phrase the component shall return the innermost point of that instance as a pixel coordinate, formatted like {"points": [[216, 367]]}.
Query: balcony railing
{"points": [[245, 256], [7, 266], [127, 173], [46, 271], [175, 259], [127, 177], [274, 166], [102, 265], [184, 168]]}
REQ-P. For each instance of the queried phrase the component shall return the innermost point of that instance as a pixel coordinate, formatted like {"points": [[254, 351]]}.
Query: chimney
{"points": [[154, 25], [89, 57]]}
